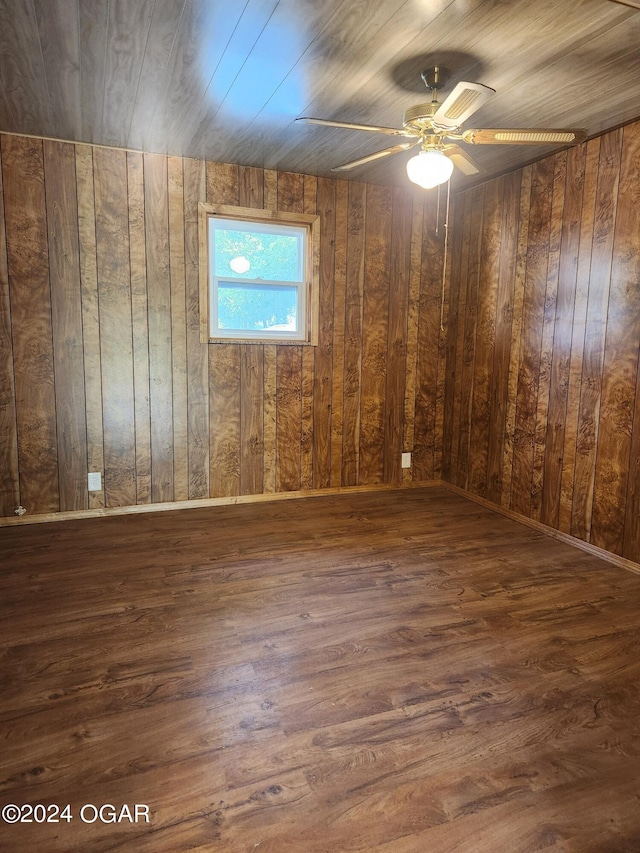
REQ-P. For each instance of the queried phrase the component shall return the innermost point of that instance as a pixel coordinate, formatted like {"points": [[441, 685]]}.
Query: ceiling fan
{"points": [[437, 128]]}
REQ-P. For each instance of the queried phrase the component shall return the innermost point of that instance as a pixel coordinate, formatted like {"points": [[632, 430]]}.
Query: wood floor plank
{"points": [[389, 671]]}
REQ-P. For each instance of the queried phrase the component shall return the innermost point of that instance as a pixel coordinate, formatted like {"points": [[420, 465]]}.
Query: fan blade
{"points": [[462, 160], [463, 101], [395, 149], [523, 136], [391, 131]]}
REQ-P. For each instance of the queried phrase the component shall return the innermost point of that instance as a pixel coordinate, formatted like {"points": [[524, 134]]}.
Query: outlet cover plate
{"points": [[406, 460], [94, 481]]}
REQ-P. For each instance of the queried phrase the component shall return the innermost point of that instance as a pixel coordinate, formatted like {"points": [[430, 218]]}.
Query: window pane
{"points": [[257, 307], [256, 254]]}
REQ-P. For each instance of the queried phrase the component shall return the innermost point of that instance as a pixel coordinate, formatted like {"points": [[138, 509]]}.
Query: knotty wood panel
{"points": [[322, 356], [508, 226], [224, 368], [569, 445], [429, 333], [400, 265], [91, 320], [612, 474], [533, 315], [66, 304], [563, 337], [377, 257], [114, 297], [548, 325], [9, 472], [198, 433], [353, 332], [166, 417], [491, 237], [140, 322], [31, 325], [471, 264], [156, 197]]}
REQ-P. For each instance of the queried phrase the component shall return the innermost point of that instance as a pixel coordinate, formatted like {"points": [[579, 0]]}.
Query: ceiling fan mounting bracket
{"points": [[436, 77]]}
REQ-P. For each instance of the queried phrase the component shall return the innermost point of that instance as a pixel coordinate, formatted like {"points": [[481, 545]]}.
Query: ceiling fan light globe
{"points": [[429, 169]]}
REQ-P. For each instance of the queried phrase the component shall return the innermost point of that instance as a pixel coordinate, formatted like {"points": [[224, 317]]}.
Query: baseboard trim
{"points": [[622, 562], [106, 512]]}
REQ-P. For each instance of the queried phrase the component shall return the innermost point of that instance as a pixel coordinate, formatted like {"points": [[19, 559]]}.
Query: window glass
{"points": [[256, 307]]}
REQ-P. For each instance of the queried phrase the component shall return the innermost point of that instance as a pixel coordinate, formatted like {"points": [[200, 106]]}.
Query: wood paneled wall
{"points": [[101, 367], [542, 403]]}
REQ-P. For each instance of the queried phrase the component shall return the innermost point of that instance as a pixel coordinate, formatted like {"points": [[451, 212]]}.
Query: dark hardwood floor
{"points": [[399, 672]]}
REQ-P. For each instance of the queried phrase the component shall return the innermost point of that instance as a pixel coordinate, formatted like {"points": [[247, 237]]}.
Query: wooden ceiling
{"points": [[225, 80]]}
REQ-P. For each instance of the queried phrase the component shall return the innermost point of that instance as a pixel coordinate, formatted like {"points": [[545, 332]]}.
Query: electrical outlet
{"points": [[406, 460], [94, 481]]}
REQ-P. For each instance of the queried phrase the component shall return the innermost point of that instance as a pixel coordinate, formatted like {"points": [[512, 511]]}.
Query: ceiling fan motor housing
{"points": [[419, 116]]}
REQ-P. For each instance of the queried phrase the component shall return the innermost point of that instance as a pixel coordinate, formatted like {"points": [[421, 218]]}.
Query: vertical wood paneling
{"points": [[399, 274], [224, 419], [9, 471], [223, 187], [312, 433], [469, 338], [288, 424], [198, 431], [455, 261], [31, 329], [251, 194], [533, 314], [499, 384], [595, 332], [562, 340], [289, 375], [251, 443], [270, 201], [139, 398], [160, 346], [322, 365], [516, 329], [578, 333], [66, 304], [337, 367], [114, 296], [460, 264], [91, 318], [375, 334], [546, 350], [428, 341], [485, 337], [178, 329], [620, 359], [628, 268], [413, 306], [571, 434], [353, 333], [140, 319], [307, 402]]}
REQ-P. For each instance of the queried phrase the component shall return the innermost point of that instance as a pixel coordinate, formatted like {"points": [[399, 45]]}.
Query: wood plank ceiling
{"points": [[224, 81]]}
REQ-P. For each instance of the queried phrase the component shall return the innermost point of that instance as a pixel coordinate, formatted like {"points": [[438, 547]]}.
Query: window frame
{"points": [[311, 272]]}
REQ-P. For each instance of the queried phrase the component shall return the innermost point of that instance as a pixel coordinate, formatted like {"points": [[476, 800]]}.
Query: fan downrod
{"points": [[436, 78]]}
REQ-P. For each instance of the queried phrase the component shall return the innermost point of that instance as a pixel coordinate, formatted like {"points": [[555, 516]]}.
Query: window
{"points": [[260, 280]]}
